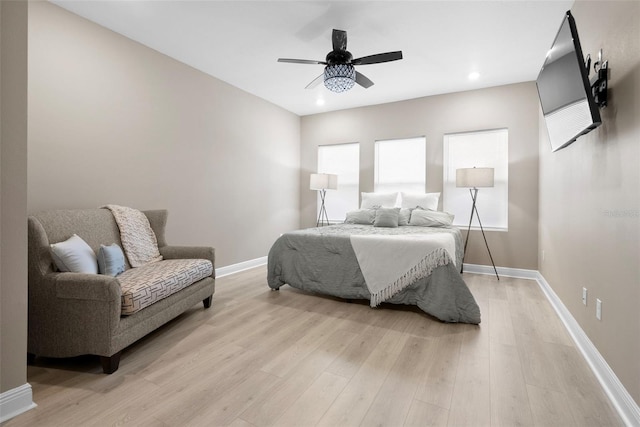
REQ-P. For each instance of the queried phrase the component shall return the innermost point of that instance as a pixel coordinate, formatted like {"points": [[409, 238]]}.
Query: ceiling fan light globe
{"points": [[339, 77]]}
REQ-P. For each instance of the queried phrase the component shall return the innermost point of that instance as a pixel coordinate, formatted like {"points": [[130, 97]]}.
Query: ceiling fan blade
{"points": [[339, 39], [363, 81], [315, 82], [378, 58], [301, 61]]}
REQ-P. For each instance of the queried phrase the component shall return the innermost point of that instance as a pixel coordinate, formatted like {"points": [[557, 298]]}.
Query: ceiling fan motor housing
{"points": [[339, 57]]}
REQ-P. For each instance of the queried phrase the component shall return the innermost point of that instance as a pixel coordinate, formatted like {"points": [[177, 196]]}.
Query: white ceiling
{"points": [[442, 42]]}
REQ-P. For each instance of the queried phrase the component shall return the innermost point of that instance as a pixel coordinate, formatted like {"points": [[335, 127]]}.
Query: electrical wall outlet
{"points": [[584, 296], [598, 309]]}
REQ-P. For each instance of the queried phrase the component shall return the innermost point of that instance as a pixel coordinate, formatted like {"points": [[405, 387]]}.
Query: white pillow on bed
{"points": [[430, 218], [422, 200], [378, 200]]}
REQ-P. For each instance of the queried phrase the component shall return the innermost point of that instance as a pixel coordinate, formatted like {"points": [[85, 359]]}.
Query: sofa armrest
{"points": [[188, 252], [91, 287], [73, 313]]}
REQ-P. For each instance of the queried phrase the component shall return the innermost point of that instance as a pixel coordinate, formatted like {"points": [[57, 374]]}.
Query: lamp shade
{"points": [[323, 181], [474, 177]]}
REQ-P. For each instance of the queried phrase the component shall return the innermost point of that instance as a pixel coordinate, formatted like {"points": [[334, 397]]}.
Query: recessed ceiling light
{"points": [[474, 76], [319, 102]]}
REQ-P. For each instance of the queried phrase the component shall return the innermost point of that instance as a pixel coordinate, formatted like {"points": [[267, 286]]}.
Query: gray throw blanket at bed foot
{"points": [[322, 260]]}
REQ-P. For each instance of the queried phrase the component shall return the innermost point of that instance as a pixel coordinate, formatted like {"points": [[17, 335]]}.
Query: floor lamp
{"points": [[473, 178], [323, 182]]}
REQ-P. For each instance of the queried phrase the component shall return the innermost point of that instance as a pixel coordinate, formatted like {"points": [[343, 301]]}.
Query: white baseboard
{"points": [[624, 404], [15, 401], [520, 273], [241, 266], [621, 399]]}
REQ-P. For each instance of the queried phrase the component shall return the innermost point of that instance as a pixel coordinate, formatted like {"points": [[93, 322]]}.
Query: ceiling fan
{"points": [[339, 72]]}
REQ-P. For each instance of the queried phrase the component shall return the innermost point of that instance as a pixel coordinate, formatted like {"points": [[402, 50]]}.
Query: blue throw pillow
{"points": [[110, 260]]}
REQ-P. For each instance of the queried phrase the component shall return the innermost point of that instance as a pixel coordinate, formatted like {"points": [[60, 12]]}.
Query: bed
{"points": [[323, 260]]}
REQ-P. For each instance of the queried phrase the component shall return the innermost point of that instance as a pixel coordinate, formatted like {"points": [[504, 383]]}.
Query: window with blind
{"points": [[344, 161], [486, 149], [400, 165]]}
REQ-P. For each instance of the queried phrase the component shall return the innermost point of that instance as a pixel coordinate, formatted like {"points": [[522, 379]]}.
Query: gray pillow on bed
{"points": [[386, 217], [405, 215], [429, 218], [361, 216]]}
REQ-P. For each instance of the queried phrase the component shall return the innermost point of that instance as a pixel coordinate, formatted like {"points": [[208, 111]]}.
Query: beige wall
{"points": [[112, 121], [590, 198], [514, 107], [13, 194]]}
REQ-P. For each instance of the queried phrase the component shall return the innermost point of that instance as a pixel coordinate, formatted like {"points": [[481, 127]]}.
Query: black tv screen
{"points": [[563, 86]]}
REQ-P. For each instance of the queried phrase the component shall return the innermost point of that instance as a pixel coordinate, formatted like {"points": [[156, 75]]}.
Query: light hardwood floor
{"points": [[287, 358]]}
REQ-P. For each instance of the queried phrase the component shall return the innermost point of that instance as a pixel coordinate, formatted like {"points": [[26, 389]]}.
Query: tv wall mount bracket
{"points": [[599, 83]]}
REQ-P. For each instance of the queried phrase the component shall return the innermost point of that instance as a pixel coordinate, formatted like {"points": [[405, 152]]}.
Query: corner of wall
{"points": [[13, 199]]}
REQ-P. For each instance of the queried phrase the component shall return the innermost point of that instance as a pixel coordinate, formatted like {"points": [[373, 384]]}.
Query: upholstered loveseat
{"points": [[72, 314]]}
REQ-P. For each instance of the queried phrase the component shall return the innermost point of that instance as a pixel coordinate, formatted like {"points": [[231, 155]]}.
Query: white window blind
{"points": [[344, 161], [400, 165], [488, 149]]}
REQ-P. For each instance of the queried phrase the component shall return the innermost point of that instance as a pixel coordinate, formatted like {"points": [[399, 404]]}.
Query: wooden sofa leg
{"points": [[207, 301], [110, 364]]}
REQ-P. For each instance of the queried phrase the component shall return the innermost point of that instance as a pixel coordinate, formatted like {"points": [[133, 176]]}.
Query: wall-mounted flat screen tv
{"points": [[565, 93]]}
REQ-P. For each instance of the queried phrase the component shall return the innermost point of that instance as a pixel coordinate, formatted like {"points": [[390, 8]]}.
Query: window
{"points": [[480, 149], [400, 165], [344, 161]]}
